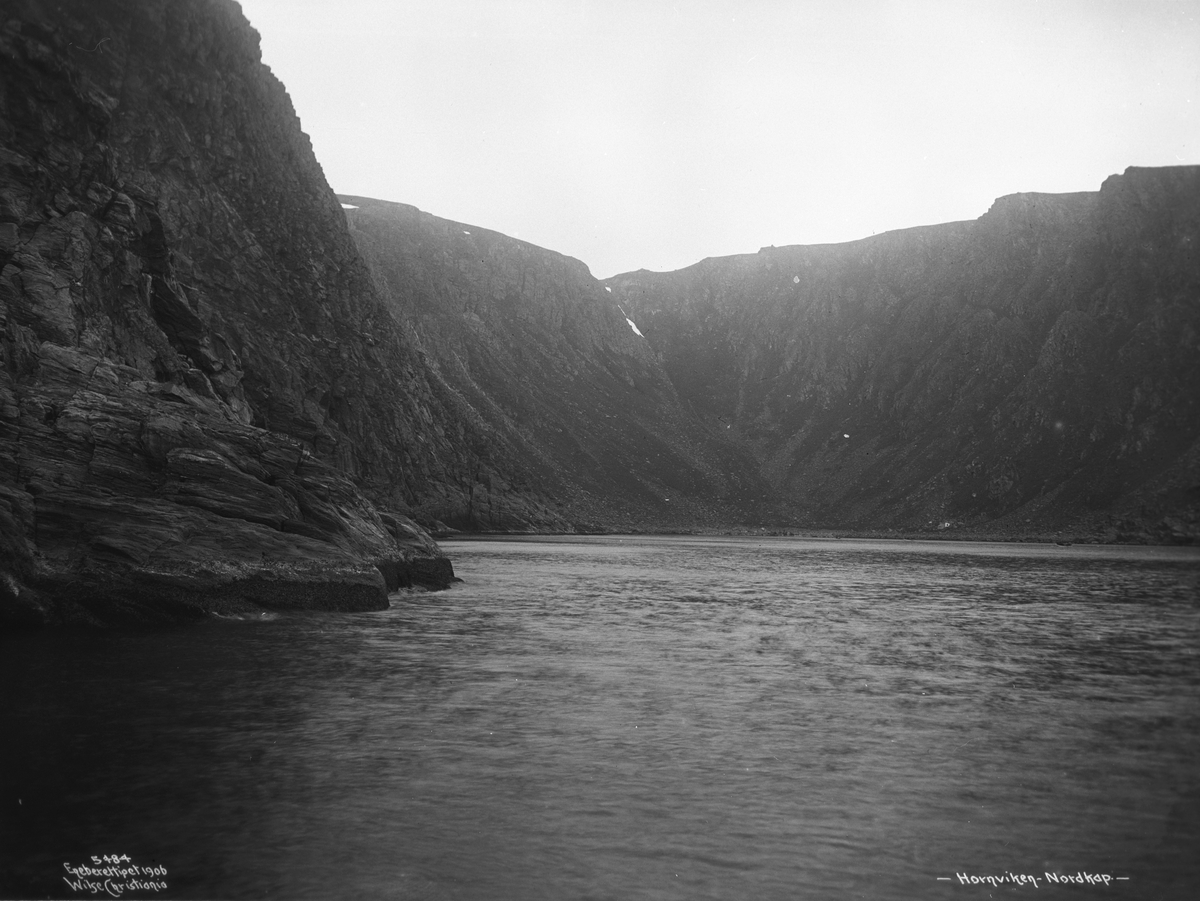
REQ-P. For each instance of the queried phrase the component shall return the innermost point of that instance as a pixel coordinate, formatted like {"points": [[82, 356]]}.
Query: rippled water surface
{"points": [[638, 719]]}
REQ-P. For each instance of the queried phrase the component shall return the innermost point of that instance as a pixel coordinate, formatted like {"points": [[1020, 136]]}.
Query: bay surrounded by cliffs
{"points": [[352, 550]]}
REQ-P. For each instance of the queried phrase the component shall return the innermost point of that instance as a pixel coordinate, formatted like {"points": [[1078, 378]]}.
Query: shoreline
{"points": [[826, 534]]}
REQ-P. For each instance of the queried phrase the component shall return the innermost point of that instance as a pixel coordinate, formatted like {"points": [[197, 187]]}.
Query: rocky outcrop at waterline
{"points": [[204, 404], [1034, 371]]}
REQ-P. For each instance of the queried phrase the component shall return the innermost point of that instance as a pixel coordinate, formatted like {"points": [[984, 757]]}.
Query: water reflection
{"points": [[649, 718]]}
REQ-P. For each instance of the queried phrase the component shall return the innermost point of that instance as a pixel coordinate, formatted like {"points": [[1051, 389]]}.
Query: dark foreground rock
{"points": [[146, 597], [204, 405]]}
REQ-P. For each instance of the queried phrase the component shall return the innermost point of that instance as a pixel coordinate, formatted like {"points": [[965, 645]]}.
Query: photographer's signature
{"points": [[114, 875]]}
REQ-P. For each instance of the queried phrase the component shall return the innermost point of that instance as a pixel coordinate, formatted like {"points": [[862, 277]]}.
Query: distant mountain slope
{"points": [[1035, 370], [565, 396]]}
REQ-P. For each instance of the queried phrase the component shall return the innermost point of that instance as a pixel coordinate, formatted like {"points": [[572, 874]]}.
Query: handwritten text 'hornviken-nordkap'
{"points": [[1077, 878]]}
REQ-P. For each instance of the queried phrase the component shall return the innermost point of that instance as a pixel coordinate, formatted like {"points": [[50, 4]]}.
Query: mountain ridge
{"points": [[996, 279], [564, 388]]}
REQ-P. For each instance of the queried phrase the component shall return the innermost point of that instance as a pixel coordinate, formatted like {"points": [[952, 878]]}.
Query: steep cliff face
{"points": [[567, 401], [1035, 370], [203, 401]]}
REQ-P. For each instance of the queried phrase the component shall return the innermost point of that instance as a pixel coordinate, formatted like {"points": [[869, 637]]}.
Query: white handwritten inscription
{"points": [[1026, 879], [114, 875]]}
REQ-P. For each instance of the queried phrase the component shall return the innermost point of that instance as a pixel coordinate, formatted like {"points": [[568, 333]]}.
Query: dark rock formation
{"points": [[1034, 371], [203, 402], [566, 402]]}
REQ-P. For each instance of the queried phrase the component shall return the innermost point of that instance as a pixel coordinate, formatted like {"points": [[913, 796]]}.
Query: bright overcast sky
{"points": [[639, 133]]}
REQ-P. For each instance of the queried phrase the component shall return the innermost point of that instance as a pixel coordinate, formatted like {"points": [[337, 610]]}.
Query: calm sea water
{"points": [[637, 718]]}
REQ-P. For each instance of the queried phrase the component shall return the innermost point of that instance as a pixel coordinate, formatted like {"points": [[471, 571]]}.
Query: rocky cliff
{"points": [[1036, 371], [565, 399], [221, 392], [204, 403]]}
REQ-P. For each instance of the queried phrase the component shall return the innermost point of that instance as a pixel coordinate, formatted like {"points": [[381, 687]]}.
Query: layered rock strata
{"points": [[204, 405]]}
